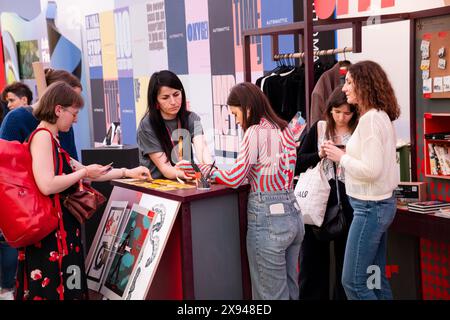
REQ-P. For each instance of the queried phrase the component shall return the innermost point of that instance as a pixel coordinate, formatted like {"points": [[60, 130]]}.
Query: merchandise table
{"points": [[205, 255], [421, 225]]}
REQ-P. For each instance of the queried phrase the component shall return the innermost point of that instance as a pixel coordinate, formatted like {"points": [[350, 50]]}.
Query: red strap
{"points": [[61, 232]]}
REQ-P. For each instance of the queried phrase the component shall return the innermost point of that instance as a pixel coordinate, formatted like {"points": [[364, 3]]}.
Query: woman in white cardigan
{"points": [[370, 179]]}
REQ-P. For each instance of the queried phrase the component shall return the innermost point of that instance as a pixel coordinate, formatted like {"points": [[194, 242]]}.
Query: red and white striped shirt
{"points": [[267, 157]]}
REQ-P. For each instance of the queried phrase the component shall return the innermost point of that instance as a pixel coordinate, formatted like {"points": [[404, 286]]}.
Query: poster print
{"points": [[176, 36], [197, 36], [246, 16], [226, 131], [165, 214], [107, 236], [126, 255], [274, 13]]}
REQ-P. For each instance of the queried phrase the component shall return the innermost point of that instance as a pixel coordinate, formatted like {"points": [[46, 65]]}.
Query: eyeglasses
{"points": [[74, 114]]}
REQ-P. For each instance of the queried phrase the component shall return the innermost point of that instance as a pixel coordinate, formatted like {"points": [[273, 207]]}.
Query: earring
{"points": [[157, 107]]}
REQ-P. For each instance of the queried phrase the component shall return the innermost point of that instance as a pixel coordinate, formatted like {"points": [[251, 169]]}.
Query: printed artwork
{"points": [[108, 236], [28, 52], [159, 184], [126, 254], [165, 213]]}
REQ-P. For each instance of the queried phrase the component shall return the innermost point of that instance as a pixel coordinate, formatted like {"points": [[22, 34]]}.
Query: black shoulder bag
{"points": [[334, 222]]}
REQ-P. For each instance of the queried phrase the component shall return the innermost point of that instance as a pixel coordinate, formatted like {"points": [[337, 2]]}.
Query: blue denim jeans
{"points": [[8, 265], [364, 271], [274, 235]]}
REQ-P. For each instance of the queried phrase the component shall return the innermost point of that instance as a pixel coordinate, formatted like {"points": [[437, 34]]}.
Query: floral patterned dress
{"points": [[53, 269]]}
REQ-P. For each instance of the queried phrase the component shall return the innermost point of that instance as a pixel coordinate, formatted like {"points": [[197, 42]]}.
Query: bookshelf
{"points": [[436, 149]]}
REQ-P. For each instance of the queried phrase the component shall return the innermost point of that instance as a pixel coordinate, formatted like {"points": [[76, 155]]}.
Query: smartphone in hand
{"points": [[340, 146]]}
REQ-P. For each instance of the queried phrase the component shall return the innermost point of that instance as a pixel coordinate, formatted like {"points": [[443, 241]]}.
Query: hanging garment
{"points": [[325, 85]]}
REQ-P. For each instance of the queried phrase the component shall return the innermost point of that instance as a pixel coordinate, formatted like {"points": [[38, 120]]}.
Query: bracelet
{"points": [[124, 173]]}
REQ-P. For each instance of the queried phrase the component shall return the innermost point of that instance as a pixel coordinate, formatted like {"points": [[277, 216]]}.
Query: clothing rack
{"points": [[317, 53], [305, 29]]}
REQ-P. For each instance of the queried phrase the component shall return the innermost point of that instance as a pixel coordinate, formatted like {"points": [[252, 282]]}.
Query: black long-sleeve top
{"points": [[308, 153]]}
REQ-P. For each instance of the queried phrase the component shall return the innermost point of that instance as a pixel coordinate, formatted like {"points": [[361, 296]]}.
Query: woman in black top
{"points": [[341, 121]]}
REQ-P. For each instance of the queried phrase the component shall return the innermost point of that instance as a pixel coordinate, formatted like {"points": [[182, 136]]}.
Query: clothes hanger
{"points": [[345, 63]]}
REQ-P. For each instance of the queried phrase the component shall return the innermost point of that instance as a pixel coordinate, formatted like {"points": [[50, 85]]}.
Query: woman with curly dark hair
{"points": [[371, 176]]}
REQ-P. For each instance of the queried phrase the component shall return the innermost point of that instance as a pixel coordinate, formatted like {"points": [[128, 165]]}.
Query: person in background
{"points": [[341, 120], [41, 274], [371, 176], [17, 95], [166, 120], [267, 157], [20, 122], [3, 110]]}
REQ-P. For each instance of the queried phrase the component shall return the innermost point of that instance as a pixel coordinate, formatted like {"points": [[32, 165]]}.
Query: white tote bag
{"points": [[312, 192], [312, 189]]}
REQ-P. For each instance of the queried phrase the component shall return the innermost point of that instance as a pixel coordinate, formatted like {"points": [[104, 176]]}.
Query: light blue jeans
{"points": [[274, 235], [364, 271]]}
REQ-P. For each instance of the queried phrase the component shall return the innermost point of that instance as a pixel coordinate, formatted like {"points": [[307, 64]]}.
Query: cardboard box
{"points": [[407, 192]]}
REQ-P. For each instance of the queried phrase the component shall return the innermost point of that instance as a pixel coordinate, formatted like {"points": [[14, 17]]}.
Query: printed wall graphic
{"points": [[197, 36], [275, 13], [108, 38], [176, 36], [105, 238], [63, 53], [157, 36], [139, 36], [94, 53], [125, 72], [11, 58], [165, 211], [221, 37], [129, 249], [112, 110], [226, 131], [28, 53], [28, 37], [247, 15], [199, 94], [140, 95]]}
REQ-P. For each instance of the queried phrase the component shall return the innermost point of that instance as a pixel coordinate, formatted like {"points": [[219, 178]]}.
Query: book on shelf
{"points": [[443, 156], [439, 156], [438, 136], [434, 163]]}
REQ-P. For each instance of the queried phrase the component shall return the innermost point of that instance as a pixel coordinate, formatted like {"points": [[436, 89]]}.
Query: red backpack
{"points": [[26, 215]]}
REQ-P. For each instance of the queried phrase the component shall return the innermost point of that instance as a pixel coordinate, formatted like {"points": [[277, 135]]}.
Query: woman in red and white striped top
{"points": [[267, 157]]}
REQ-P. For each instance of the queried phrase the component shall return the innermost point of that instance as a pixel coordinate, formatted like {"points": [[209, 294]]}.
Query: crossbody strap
{"points": [[61, 232]]}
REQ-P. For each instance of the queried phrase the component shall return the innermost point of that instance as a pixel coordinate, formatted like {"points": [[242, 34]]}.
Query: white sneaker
{"points": [[7, 295]]}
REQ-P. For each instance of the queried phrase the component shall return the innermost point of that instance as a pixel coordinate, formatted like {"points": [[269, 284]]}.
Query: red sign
{"points": [[325, 8]]}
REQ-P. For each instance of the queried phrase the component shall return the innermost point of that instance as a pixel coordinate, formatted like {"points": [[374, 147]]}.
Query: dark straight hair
{"points": [[19, 89], [335, 100], [251, 99], [164, 78]]}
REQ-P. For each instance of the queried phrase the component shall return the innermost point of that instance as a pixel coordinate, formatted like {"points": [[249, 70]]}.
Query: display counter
{"points": [[405, 260], [421, 225], [205, 255]]}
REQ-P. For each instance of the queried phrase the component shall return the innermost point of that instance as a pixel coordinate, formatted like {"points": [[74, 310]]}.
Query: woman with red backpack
{"points": [[53, 268]]}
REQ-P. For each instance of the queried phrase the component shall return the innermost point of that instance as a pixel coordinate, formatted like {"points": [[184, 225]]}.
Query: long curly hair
{"points": [[373, 89]]}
